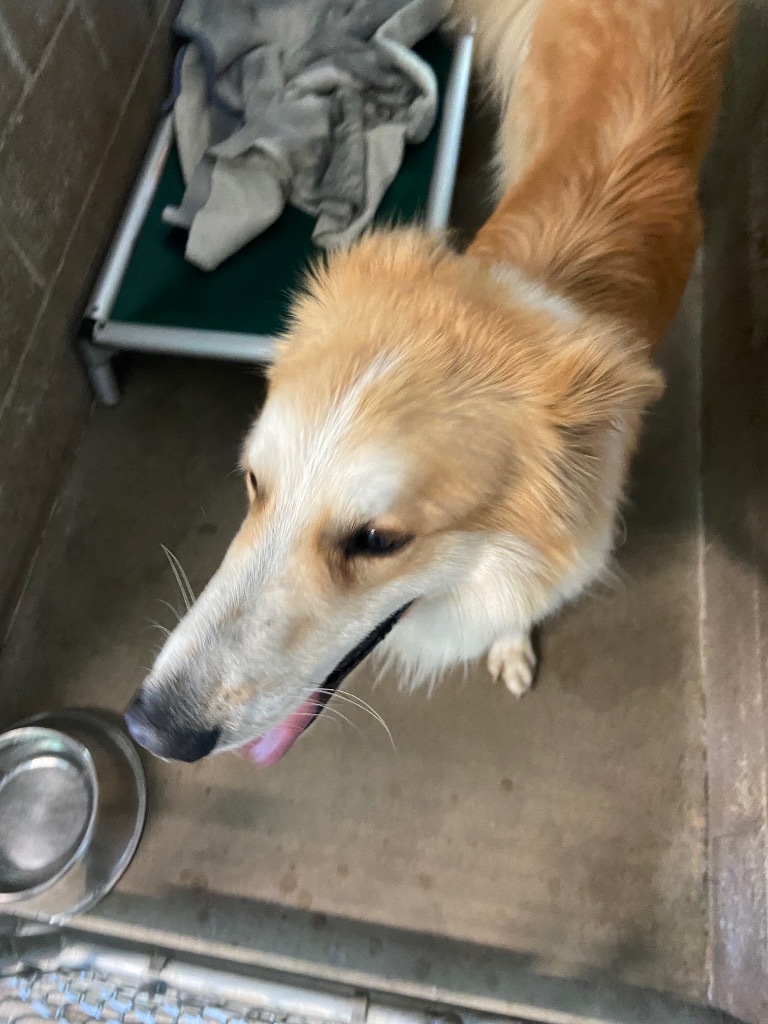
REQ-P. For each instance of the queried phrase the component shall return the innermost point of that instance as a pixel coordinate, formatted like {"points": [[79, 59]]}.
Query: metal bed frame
{"points": [[101, 337]]}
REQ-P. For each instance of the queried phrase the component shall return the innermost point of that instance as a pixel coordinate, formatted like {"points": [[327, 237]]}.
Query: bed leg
{"points": [[101, 375]]}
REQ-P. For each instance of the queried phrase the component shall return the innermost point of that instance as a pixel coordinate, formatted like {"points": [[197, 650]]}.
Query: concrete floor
{"points": [[612, 824]]}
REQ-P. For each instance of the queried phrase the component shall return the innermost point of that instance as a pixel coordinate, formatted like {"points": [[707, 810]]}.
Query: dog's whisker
{"points": [[331, 718], [350, 696], [358, 702], [334, 711], [175, 611], [372, 712], [365, 706], [160, 626], [181, 577], [175, 572]]}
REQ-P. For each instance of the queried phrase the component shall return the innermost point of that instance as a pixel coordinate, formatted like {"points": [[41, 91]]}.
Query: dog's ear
{"points": [[598, 394], [598, 380]]}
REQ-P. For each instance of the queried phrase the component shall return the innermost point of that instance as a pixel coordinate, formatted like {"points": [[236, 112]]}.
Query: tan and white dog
{"points": [[446, 437]]}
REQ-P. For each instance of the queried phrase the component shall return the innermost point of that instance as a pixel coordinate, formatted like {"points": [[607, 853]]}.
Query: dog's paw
{"points": [[513, 661]]}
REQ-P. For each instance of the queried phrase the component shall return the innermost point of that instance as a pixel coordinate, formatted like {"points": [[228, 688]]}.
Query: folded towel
{"points": [[303, 101]]}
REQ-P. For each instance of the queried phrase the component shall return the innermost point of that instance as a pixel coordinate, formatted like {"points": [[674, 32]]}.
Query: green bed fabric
{"points": [[249, 293]]}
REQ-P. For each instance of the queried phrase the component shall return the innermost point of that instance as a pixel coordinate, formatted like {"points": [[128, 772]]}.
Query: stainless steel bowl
{"points": [[48, 799], [120, 807]]}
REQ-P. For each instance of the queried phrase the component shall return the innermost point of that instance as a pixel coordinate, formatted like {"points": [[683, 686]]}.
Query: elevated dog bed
{"points": [[150, 298]]}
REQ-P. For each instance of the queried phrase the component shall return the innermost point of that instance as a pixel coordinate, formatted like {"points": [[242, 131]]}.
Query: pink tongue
{"points": [[276, 743]]}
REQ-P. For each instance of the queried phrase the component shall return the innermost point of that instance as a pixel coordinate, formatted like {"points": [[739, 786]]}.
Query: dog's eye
{"points": [[252, 484], [370, 541]]}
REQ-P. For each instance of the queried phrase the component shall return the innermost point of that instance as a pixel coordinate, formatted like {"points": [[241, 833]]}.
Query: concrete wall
{"points": [[81, 82], [735, 512]]}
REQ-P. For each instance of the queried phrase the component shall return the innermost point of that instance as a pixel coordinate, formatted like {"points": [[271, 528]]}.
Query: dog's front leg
{"points": [[512, 659]]}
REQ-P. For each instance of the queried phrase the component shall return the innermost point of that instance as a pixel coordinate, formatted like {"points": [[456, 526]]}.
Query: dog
{"points": [[443, 451]]}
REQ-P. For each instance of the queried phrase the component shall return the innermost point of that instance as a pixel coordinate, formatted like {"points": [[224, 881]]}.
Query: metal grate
{"points": [[83, 996], [51, 976]]}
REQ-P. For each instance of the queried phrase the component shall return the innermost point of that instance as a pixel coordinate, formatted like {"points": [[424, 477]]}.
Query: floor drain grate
{"points": [[83, 996]]}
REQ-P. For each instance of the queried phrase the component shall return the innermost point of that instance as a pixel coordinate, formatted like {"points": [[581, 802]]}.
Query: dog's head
{"points": [[414, 409]]}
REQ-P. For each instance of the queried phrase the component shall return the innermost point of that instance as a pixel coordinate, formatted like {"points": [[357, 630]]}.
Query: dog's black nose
{"points": [[153, 728]]}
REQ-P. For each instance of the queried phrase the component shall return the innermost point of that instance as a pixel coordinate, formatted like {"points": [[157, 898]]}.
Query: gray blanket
{"points": [[303, 101]]}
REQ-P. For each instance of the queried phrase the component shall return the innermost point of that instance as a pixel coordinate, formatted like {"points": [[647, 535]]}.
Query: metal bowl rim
{"points": [[106, 728], [83, 755]]}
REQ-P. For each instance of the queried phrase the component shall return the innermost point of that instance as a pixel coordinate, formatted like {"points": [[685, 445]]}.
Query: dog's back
{"points": [[607, 111]]}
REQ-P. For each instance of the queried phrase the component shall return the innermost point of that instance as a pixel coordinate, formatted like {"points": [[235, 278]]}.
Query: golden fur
{"points": [[604, 136], [482, 406]]}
